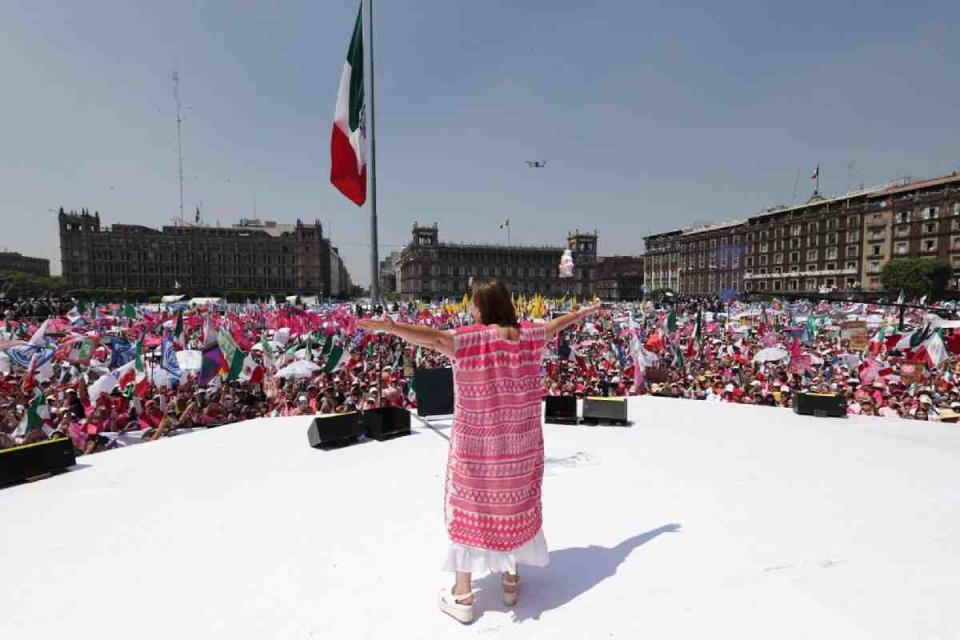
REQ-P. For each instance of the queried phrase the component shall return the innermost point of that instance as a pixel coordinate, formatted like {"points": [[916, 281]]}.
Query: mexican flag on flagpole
{"points": [[348, 166], [35, 416]]}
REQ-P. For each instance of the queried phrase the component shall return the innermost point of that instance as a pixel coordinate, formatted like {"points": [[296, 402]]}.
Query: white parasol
{"points": [[298, 369], [770, 354]]}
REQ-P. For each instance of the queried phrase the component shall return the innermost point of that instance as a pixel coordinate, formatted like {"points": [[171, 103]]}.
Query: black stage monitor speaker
{"points": [[560, 410], [434, 389], [383, 423], [37, 459], [335, 429], [609, 411], [820, 404]]}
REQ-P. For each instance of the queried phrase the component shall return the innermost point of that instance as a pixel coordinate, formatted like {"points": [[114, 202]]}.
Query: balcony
{"points": [[801, 274]]}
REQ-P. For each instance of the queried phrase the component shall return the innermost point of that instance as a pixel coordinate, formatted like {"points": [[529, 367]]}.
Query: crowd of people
{"points": [[109, 375]]}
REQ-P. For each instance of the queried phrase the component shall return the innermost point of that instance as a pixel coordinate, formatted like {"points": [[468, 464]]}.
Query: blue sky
{"points": [[650, 114]]}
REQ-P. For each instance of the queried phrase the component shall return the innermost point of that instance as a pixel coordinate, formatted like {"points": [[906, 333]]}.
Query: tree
{"points": [[916, 277]]}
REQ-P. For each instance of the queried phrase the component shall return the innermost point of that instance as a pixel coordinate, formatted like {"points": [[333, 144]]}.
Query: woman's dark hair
{"points": [[492, 299]]}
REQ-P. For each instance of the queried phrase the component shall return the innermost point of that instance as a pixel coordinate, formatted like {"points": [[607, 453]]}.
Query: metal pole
{"points": [[379, 346], [176, 97], [374, 258]]}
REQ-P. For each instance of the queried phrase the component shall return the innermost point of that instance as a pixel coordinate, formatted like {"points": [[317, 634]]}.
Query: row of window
{"points": [[796, 229], [459, 286], [712, 261], [831, 238], [795, 268], [830, 253], [150, 256], [830, 224], [473, 270], [180, 270], [809, 284]]}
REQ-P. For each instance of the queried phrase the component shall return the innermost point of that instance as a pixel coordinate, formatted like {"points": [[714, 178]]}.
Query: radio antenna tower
{"points": [[176, 97]]}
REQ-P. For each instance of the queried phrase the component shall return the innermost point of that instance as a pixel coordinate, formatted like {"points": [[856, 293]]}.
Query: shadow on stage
{"points": [[571, 573]]}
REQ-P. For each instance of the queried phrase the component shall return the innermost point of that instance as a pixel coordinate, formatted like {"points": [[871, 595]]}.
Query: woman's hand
{"points": [[559, 324], [385, 323], [586, 311]]}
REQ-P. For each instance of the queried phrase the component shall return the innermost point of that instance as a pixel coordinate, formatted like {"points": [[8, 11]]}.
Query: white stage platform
{"points": [[701, 521]]}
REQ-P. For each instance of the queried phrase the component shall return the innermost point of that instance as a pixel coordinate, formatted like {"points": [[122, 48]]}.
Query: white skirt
{"points": [[480, 562]]}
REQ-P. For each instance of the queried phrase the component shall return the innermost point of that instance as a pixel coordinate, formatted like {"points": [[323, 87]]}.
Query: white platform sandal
{"points": [[510, 597], [450, 605]]}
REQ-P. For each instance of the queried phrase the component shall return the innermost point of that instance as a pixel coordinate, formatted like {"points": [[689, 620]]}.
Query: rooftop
{"points": [[702, 520], [953, 178]]}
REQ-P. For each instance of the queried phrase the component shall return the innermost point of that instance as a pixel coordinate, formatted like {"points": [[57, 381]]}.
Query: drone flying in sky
{"points": [[536, 164]]}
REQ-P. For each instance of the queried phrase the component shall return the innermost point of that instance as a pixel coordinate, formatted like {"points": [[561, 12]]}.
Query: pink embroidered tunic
{"points": [[495, 464]]}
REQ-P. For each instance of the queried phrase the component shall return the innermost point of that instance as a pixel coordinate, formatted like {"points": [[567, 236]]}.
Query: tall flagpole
{"points": [[374, 257]]}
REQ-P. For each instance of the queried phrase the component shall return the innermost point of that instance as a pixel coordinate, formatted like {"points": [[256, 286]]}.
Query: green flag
{"points": [[672, 320], [267, 350], [178, 330], [327, 345], [371, 349], [36, 413], [265, 344], [231, 352], [138, 357], [336, 359], [698, 330]]}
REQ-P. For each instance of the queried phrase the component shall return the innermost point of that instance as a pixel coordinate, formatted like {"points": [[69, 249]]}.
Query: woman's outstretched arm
{"points": [[559, 324], [428, 337]]}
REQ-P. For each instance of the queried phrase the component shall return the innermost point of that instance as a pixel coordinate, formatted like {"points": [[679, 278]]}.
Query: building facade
{"points": [[710, 258], [430, 269], [12, 261], [252, 255], [914, 219], [661, 264], [824, 245], [617, 277], [389, 274], [341, 285]]}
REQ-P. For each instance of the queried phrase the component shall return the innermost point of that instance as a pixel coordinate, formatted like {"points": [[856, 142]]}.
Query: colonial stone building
{"points": [[710, 258], [388, 273], [661, 262], [617, 277], [825, 244], [253, 255], [806, 248], [913, 219], [430, 269], [11, 261]]}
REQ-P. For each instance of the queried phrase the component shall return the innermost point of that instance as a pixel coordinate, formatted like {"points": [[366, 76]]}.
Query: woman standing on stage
{"points": [[495, 464]]}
